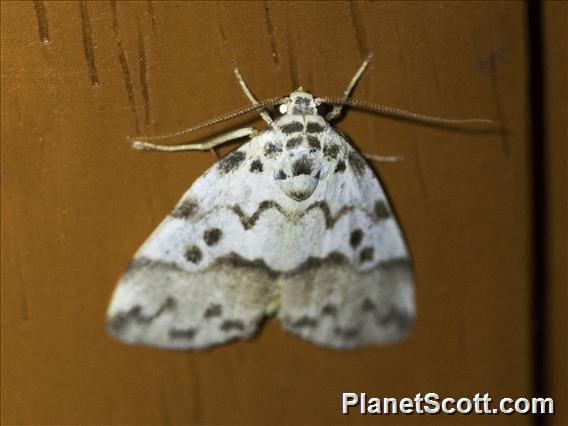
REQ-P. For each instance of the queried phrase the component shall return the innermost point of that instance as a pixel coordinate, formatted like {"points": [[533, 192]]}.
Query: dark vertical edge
{"points": [[537, 153], [143, 67], [42, 23], [88, 45]]}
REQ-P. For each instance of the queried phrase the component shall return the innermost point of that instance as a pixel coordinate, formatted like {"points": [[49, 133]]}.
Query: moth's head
{"points": [[299, 102]]}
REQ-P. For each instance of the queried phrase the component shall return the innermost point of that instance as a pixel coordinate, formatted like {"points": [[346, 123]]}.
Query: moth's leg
{"points": [[336, 111], [263, 113], [384, 158], [201, 146]]}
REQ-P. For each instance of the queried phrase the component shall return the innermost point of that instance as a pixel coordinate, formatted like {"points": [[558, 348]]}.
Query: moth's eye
{"points": [[324, 109], [279, 111]]}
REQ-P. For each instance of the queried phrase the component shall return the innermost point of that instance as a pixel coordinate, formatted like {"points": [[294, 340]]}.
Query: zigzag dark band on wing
{"points": [[119, 321], [248, 221], [236, 261], [135, 315]]}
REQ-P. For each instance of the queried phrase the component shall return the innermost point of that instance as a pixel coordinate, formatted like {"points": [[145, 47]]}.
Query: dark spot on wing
{"points": [[367, 254], [314, 127], [256, 166], [368, 305], [231, 161], [293, 142], [292, 127], [303, 166], [396, 264], [229, 325], [193, 254], [403, 319], [331, 150], [381, 210], [185, 209], [304, 321], [212, 236], [314, 142], [329, 309], [346, 333], [213, 311], [281, 175], [356, 238], [357, 162], [271, 150], [188, 333], [137, 263], [340, 168]]}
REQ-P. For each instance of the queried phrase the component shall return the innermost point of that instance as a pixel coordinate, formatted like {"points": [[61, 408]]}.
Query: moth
{"points": [[293, 223]]}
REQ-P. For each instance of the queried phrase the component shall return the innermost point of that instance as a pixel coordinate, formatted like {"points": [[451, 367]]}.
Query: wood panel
{"points": [[78, 79], [556, 122]]}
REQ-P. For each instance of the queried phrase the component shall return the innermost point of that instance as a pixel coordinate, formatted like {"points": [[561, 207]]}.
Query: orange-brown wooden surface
{"points": [[78, 79]]}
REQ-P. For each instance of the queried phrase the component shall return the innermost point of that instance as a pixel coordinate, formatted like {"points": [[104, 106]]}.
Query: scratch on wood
{"points": [[293, 63], [150, 11], [143, 77], [222, 32], [42, 25], [360, 34], [88, 43], [270, 29], [126, 75]]}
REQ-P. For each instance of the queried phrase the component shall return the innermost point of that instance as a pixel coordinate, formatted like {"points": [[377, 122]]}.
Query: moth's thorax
{"points": [[300, 140]]}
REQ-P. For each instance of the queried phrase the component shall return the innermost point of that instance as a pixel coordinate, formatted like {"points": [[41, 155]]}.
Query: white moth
{"points": [[292, 223]]}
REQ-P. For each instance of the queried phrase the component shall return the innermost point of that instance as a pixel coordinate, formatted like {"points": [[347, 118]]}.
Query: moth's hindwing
{"points": [[249, 239]]}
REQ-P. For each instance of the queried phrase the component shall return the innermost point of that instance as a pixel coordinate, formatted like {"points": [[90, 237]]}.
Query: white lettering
{"points": [[433, 406], [349, 400]]}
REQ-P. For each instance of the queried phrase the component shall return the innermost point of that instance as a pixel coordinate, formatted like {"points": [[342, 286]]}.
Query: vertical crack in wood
{"points": [[150, 11], [360, 34], [126, 75], [293, 63], [270, 29], [42, 24], [144, 77], [88, 43]]}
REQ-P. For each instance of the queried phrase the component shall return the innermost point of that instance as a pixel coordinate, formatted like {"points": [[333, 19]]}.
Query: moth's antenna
{"points": [[336, 111], [258, 106], [400, 113]]}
